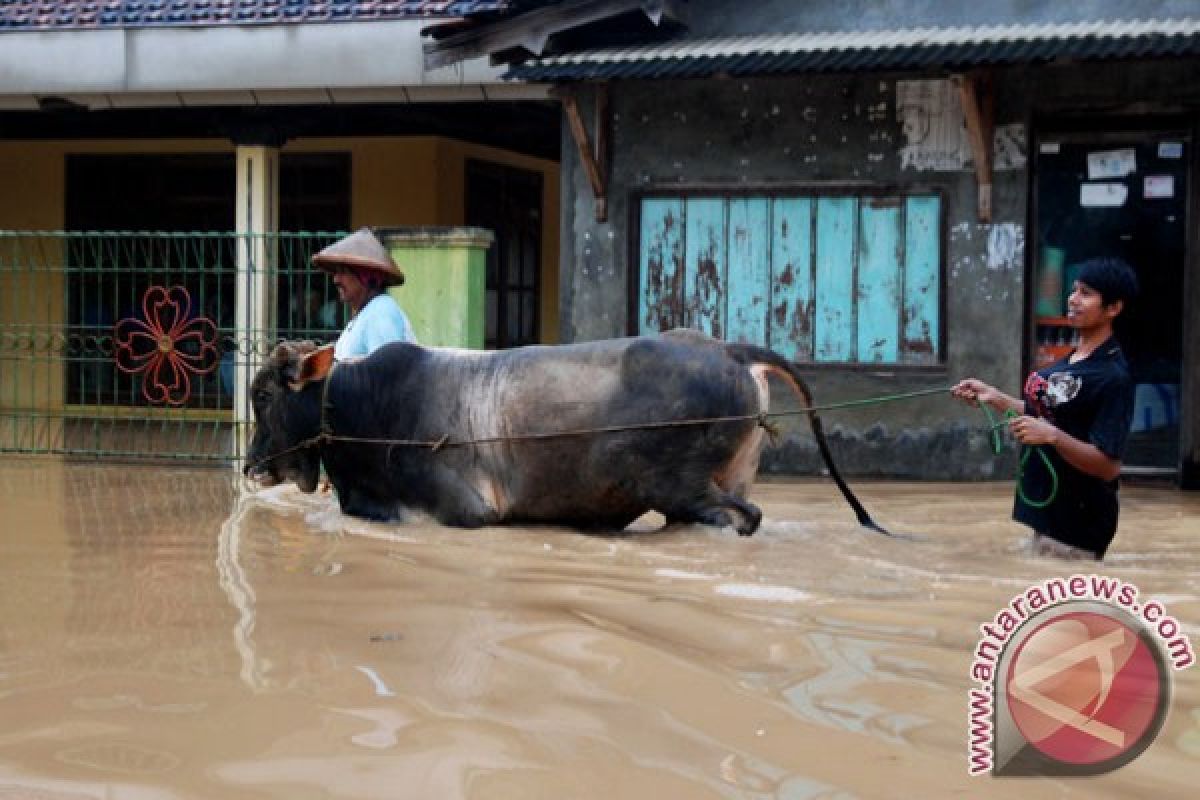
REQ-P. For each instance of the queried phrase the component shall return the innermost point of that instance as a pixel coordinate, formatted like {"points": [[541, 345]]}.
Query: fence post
{"points": [[257, 226]]}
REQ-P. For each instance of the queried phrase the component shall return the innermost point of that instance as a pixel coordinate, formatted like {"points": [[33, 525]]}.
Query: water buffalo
{"points": [[478, 438]]}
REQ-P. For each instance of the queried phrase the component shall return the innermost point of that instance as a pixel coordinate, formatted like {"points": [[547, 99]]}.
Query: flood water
{"points": [[165, 635]]}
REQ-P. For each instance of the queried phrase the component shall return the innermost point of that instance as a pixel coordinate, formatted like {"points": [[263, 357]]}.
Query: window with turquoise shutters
{"points": [[819, 278]]}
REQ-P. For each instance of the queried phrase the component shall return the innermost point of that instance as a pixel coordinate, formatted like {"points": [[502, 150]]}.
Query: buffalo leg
{"points": [[750, 513], [461, 505], [715, 508]]}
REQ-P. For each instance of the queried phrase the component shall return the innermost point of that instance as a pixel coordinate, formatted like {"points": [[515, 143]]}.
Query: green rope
{"points": [[993, 426], [1026, 452], [866, 401], [997, 441]]}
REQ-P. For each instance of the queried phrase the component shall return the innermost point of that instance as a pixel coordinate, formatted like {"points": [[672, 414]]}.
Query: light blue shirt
{"points": [[380, 321]]}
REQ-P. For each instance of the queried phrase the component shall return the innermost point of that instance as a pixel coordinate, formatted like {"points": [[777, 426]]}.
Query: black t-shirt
{"points": [[1091, 400]]}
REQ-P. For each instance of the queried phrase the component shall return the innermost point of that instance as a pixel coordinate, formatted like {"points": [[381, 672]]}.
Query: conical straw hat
{"points": [[362, 250]]}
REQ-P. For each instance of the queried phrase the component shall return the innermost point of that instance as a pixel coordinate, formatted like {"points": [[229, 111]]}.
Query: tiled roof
{"points": [[873, 50], [35, 15]]}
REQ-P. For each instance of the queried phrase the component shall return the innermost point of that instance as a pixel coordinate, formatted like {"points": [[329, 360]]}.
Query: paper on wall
{"points": [[1102, 195], [1158, 186], [931, 119], [1170, 149], [1111, 163], [1005, 246]]}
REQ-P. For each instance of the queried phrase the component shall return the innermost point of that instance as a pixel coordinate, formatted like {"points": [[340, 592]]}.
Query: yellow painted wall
{"points": [[31, 294], [394, 178], [422, 181], [32, 278]]}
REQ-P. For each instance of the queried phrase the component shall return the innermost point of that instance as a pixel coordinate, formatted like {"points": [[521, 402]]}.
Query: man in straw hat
{"points": [[362, 271]]}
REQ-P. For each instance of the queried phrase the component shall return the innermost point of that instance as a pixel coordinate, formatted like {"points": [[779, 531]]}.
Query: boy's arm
{"points": [[1084, 456]]}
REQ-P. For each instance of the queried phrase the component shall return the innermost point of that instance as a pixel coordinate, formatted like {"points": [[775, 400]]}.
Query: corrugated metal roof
{"points": [[42, 15], [862, 50]]}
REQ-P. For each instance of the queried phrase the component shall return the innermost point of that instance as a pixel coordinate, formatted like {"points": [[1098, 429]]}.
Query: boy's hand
{"points": [[973, 390], [1031, 430]]}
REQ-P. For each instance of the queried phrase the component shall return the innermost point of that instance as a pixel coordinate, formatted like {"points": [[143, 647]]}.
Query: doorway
{"points": [[508, 201], [1118, 192]]}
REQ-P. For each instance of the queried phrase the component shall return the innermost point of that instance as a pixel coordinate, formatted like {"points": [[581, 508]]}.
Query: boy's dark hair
{"points": [[1113, 278]]}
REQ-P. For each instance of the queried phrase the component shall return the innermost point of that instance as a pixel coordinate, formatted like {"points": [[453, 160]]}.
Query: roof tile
{"points": [[32, 15]]}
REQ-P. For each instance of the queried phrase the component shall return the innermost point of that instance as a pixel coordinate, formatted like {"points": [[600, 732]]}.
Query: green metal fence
{"points": [[131, 344]]}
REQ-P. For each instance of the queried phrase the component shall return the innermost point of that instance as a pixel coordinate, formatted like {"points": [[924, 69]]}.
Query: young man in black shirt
{"points": [[1079, 410]]}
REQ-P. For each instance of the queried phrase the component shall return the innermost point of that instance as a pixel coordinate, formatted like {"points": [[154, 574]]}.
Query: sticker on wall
{"points": [[1170, 149], [1103, 195], [1111, 163], [1008, 147], [1006, 246], [1158, 186]]}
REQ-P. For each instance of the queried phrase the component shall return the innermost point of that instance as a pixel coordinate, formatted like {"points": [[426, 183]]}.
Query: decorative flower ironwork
{"points": [[169, 345]]}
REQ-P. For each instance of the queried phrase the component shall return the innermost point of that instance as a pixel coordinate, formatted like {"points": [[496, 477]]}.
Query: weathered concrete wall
{"points": [[814, 130]]}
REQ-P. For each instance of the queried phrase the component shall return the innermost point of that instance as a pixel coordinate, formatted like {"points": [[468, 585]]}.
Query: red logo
{"points": [[1086, 690]]}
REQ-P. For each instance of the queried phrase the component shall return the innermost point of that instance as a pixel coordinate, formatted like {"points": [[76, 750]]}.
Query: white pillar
{"points": [[257, 223]]}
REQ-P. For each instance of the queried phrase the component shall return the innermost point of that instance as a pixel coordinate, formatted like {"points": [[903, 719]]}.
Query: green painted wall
{"points": [[443, 291]]}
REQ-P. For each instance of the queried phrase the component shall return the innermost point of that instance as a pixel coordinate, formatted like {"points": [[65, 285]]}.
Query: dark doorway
{"points": [[508, 201], [1119, 193]]}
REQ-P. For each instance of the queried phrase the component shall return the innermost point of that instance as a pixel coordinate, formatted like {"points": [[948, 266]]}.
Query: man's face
{"points": [[350, 289], [1086, 309]]}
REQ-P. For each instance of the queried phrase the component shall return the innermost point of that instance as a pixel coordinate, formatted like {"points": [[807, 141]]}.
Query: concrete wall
{"points": [[821, 130]]}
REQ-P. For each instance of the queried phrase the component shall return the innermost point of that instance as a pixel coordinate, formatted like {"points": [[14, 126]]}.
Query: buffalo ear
{"points": [[281, 355], [313, 366]]}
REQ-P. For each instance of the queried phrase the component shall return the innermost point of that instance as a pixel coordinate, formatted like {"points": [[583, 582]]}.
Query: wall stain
{"points": [[707, 295]]}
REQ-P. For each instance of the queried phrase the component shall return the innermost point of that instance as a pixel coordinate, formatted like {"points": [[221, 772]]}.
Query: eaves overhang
{"points": [[872, 50], [232, 65]]}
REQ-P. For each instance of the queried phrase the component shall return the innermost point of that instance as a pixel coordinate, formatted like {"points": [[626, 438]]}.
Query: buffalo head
{"points": [[286, 398]]}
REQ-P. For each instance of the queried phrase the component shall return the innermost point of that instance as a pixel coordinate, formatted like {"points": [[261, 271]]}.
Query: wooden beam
{"points": [[594, 159], [601, 121], [978, 103]]}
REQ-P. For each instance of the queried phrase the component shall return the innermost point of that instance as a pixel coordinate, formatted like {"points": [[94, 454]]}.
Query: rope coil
{"points": [[1026, 452]]}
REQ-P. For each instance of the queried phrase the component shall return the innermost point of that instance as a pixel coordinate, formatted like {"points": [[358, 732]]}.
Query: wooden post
{"points": [[595, 160], [978, 102], [601, 121]]}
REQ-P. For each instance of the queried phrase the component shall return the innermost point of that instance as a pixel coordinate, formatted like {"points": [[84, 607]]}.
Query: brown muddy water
{"points": [[164, 635]]}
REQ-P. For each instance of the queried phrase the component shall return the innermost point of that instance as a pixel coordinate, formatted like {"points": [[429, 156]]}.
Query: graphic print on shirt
{"points": [[1062, 387], [1047, 394], [1035, 393]]}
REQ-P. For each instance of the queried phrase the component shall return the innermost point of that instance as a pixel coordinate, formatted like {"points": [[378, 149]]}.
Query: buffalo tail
{"points": [[750, 355]]}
